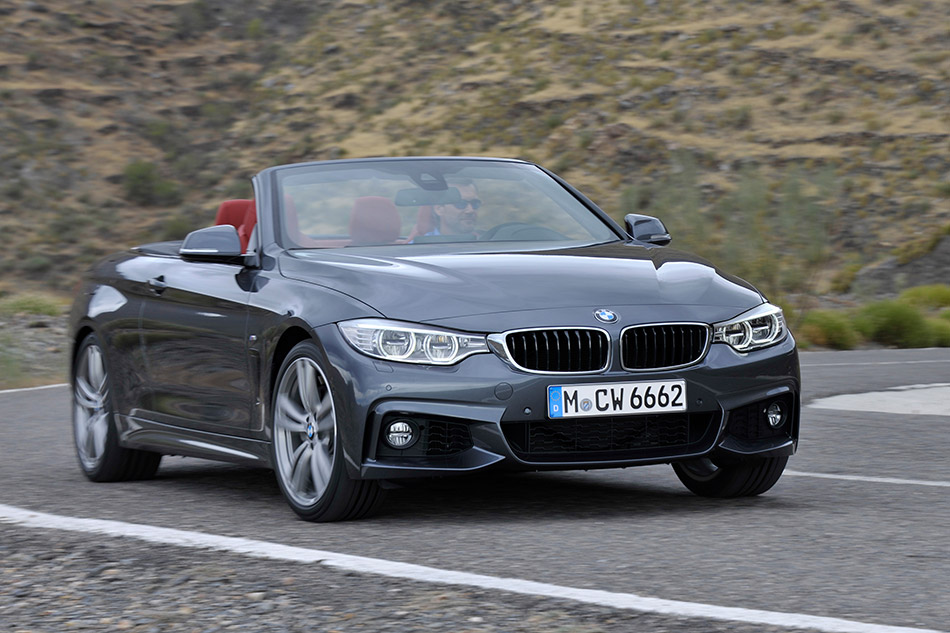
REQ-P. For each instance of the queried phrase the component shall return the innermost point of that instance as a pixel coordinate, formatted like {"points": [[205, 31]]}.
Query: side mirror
{"points": [[213, 244], [647, 228]]}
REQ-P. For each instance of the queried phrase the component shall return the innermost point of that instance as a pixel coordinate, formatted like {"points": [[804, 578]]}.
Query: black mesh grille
{"points": [[445, 438], [574, 350], [659, 346], [593, 439], [751, 423], [436, 438]]}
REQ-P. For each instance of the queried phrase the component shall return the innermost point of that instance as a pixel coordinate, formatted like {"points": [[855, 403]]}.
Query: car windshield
{"points": [[423, 201]]}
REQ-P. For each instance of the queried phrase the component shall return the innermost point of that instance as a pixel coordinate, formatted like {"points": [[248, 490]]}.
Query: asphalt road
{"points": [[862, 550]]}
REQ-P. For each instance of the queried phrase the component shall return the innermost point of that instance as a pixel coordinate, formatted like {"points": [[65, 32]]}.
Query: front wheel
{"points": [[709, 478], [306, 445]]}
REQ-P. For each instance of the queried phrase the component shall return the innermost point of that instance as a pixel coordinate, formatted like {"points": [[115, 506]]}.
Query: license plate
{"points": [[616, 398]]}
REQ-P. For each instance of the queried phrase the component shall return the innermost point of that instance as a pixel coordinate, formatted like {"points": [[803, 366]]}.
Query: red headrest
{"points": [[375, 220], [232, 212], [242, 215]]}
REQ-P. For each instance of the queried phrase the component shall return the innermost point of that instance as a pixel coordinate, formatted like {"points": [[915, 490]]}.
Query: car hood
{"points": [[529, 287]]}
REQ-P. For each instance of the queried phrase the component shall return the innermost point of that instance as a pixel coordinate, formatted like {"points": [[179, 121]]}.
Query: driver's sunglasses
{"points": [[475, 202]]}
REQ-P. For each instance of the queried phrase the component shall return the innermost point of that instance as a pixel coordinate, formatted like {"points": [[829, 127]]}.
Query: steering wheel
{"points": [[520, 231]]}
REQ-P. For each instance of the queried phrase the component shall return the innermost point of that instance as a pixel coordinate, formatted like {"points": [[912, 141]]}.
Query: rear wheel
{"points": [[710, 478], [306, 445], [97, 443]]}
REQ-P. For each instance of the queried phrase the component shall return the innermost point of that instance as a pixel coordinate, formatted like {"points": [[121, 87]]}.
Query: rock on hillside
{"points": [[890, 276]]}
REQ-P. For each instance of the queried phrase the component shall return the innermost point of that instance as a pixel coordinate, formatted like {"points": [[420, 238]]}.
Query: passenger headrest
{"points": [[375, 220]]}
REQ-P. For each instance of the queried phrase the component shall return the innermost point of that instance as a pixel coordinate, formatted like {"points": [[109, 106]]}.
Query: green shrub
{"points": [[842, 280], [14, 190], [177, 227], [164, 135], [31, 304], [939, 332], [894, 323], [218, 114], [553, 121], [193, 19], [254, 29], [37, 264], [144, 185], [932, 296], [914, 249], [11, 371], [835, 117], [238, 189], [829, 328], [739, 118]]}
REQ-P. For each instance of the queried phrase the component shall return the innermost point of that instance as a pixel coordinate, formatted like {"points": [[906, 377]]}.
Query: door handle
{"points": [[157, 284]]}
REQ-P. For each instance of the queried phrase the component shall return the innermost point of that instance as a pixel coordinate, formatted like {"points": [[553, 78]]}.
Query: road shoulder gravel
{"points": [[56, 581]]}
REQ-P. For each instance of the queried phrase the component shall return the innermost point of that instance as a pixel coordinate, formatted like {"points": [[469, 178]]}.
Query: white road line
{"points": [[887, 362], [61, 384], [871, 480], [932, 399], [347, 562]]}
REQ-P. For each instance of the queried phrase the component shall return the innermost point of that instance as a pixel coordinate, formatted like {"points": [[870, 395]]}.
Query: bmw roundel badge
{"points": [[606, 316]]}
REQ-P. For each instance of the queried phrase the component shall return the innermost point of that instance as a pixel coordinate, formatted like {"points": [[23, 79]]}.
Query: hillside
{"points": [[129, 121]]}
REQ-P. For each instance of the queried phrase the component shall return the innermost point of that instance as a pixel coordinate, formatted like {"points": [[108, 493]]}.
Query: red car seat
{"points": [[375, 220], [242, 215]]}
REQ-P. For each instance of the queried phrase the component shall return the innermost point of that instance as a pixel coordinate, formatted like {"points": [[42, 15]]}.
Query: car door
{"points": [[193, 336]]}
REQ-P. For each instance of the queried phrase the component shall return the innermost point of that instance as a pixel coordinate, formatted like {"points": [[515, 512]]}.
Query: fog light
{"points": [[776, 415], [400, 434]]}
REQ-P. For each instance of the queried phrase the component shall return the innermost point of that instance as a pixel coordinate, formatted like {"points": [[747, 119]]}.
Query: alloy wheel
{"points": [[304, 432], [90, 406]]}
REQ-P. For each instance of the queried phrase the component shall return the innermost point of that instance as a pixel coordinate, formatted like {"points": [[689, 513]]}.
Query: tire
{"points": [[306, 447], [708, 478], [101, 458]]}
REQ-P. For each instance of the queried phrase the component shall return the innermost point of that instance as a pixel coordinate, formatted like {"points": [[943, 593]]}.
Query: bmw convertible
{"points": [[364, 321]]}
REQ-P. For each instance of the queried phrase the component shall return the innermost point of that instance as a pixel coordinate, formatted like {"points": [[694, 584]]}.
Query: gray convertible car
{"points": [[363, 321]]}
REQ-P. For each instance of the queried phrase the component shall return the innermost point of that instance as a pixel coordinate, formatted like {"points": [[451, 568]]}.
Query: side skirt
{"points": [[135, 432]]}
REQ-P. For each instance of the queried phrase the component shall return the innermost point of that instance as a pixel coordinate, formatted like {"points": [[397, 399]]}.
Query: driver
{"points": [[460, 217]]}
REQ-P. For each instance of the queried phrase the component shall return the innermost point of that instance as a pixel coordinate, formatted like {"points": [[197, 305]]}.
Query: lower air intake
{"points": [[613, 438]]}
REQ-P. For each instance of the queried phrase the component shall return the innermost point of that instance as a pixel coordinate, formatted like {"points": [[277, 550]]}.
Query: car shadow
{"points": [[551, 496], [495, 497]]}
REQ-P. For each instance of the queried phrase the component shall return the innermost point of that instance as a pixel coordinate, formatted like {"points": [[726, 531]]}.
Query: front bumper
{"points": [[481, 414]]}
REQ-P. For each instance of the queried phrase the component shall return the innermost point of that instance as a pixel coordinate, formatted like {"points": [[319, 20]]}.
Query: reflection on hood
{"points": [[411, 284]]}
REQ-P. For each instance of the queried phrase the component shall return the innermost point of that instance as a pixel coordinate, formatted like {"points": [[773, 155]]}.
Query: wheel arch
{"points": [[289, 338], [82, 332], [350, 497]]}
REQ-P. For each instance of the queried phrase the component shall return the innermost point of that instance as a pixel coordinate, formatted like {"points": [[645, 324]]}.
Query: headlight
{"points": [[408, 343], [755, 329]]}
